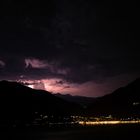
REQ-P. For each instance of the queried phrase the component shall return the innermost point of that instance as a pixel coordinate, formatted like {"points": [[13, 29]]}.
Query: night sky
{"points": [[80, 47]]}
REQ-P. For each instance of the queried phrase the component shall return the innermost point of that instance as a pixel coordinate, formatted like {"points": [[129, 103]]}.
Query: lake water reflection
{"points": [[111, 132]]}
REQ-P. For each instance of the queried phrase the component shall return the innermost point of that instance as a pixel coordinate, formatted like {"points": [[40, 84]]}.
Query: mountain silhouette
{"points": [[81, 100], [123, 102], [18, 102]]}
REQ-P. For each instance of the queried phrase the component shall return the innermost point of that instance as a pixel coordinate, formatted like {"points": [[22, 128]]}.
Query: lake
{"points": [[110, 132]]}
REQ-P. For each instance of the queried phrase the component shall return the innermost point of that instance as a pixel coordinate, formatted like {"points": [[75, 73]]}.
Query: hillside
{"points": [[18, 102], [81, 100], [123, 102]]}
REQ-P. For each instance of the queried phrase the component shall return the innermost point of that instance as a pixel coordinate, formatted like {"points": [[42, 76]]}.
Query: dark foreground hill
{"points": [[123, 102], [18, 102]]}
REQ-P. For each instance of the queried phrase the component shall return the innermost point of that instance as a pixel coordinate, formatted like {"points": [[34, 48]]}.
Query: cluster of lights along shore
{"points": [[105, 120], [83, 120]]}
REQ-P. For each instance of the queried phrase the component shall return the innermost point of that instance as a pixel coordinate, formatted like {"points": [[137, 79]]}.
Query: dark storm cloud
{"points": [[2, 64], [78, 41]]}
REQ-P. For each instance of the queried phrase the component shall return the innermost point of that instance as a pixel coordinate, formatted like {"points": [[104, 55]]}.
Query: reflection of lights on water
{"points": [[107, 122]]}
